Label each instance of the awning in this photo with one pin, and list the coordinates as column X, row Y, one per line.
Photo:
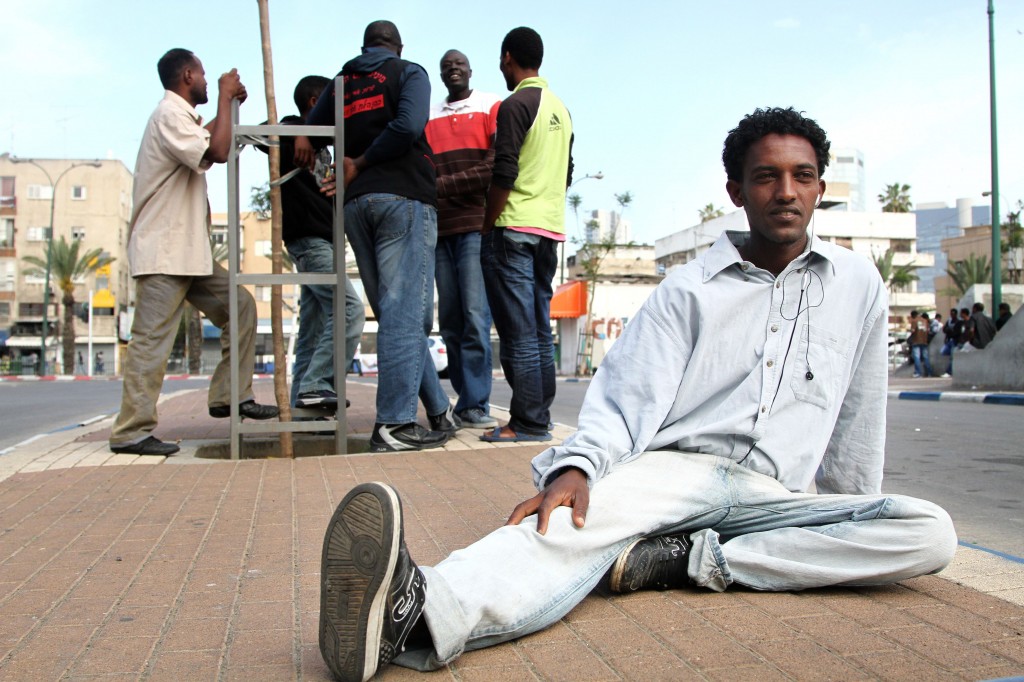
column 29, row 342
column 103, row 299
column 570, row 300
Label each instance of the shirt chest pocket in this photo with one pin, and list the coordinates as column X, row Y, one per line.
column 820, row 366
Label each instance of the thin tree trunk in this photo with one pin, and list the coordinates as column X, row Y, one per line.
column 194, row 340
column 68, row 334
column 280, row 361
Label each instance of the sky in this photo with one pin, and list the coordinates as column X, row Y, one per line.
column 653, row 86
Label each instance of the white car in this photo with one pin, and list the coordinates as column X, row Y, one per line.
column 439, row 354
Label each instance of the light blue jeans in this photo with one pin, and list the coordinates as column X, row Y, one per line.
column 314, row 345
column 393, row 239
column 745, row 528
column 464, row 319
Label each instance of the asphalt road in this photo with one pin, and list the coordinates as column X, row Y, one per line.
column 967, row 457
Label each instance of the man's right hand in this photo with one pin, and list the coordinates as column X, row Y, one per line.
column 304, row 152
column 568, row 490
column 230, row 86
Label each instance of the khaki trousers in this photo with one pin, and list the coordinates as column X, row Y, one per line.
column 159, row 302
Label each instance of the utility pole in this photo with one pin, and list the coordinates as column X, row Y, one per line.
column 997, row 240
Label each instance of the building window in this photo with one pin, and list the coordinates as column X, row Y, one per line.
column 5, row 309
column 263, row 293
column 7, row 191
column 78, row 192
column 219, row 236
column 40, row 192
column 845, row 242
column 6, row 233
column 36, row 234
column 78, row 233
column 30, row 309
column 263, row 247
column 901, row 245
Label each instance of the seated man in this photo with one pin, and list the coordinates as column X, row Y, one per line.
column 749, row 374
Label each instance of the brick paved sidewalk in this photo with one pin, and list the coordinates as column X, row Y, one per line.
column 212, row 572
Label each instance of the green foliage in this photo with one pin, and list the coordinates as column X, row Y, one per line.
column 709, row 212
column 968, row 272
column 896, row 278
column 895, row 198
column 259, row 200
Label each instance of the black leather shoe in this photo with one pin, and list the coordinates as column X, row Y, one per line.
column 149, row 446
column 250, row 409
column 658, row 563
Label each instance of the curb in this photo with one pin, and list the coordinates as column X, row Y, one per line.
column 960, row 397
column 111, row 377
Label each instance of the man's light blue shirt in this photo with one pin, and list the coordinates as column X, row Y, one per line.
column 717, row 360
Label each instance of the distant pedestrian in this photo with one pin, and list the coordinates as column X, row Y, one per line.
column 98, row 362
column 918, row 341
column 79, row 364
column 1004, row 315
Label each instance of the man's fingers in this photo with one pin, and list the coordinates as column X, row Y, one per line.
column 580, row 506
column 522, row 510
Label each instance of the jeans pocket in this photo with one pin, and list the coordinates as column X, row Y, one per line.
column 392, row 216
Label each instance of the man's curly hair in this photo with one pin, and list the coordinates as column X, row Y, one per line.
column 763, row 122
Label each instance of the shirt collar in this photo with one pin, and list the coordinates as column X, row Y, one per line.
column 531, row 82
column 179, row 102
column 460, row 104
column 725, row 252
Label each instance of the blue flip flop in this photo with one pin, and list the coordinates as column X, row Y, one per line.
column 496, row 437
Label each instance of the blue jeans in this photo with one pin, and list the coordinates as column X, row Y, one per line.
column 393, row 239
column 920, row 354
column 518, row 277
column 465, row 319
column 314, row 345
column 746, row 528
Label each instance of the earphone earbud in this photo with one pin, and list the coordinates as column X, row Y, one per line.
column 818, row 202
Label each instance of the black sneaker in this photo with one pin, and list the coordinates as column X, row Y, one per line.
column 371, row 592
column 250, row 409
column 447, row 421
column 150, row 446
column 657, row 563
column 325, row 398
column 411, row 436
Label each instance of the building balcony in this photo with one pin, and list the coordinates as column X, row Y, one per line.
column 919, row 259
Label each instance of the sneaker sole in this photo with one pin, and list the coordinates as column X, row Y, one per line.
column 360, row 552
column 376, row 446
column 615, row 583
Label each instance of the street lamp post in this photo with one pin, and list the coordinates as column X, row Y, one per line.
column 49, row 249
column 997, row 257
column 561, row 260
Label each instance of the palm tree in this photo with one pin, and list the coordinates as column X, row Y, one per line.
column 709, row 212
column 67, row 267
column 1013, row 246
column 895, row 198
column 896, row 278
column 968, row 272
column 575, row 201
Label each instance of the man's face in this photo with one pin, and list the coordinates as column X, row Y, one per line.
column 505, row 66
column 197, row 85
column 455, row 71
column 779, row 188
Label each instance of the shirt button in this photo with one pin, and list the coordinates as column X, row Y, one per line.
column 763, row 409
column 775, row 327
column 771, row 362
column 778, row 284
column 744, row 267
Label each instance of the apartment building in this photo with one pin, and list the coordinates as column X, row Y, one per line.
column 86, row 199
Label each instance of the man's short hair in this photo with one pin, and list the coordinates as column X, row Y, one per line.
column 978, row 307
column 764, row 122
column 913, row 313
column 1004, row 307
column 382, row 33
column 965, row 311
column 172, row 64
column 525, row 46
column 310, row 86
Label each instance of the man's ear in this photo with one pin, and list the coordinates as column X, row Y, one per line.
column 735, row 191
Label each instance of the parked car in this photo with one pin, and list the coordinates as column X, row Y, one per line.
column 439, row 354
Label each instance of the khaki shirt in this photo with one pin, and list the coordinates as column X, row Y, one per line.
column 170, row 225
